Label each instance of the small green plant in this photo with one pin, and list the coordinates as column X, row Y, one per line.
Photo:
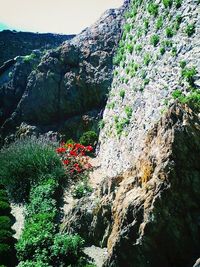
column 120, row 125
column 146, row 81
column 139, row 32
column 81, row 189
column 159, row 23
column 127, row 28
column 153, row 9
column 178, row 22
column 174, row 51
column 101, row 124
column 178, row 3
column 146, row 24
column 128, row 111
column 167, row 43
column 154, row 40
column 138, row 48
column 89, row 138
column 167, row 3
column 111, row 105
column 162, row 50
column 130, row 48
column 190, row 29
column 147, row 59
column 188, row 74
column 122, row 93
column 169, row 32
column 29, row 58
column 182, row 64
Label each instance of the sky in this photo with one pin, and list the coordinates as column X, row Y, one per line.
column 56, row 16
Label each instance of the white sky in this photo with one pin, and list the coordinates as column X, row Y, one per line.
column 57, row 16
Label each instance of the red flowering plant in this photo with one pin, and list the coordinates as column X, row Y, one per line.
column 75, row 158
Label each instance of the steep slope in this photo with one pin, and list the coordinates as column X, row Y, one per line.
column 14, row 43
column 68, row 82
column 146, row 209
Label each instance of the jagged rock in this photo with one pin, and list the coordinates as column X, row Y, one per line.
column 69, row 81
column 14, row 43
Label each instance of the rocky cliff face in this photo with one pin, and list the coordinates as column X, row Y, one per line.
column 13, row 44
column 69, row 82
column 145, row 208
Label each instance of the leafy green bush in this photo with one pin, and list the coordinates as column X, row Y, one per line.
column 183, row 64
column 101, row 123
column 147, row 59
column 4, row 208
column 67, row 248
column 162, row 50
column 81, row 189
column 190, row 29
column 122, row 93
column 169, row 32
column 24, row 163
column 178, row 3
column 153, row 9
column 188, row 74
column 154, row 40
column 89, row 138
column 167, row 3
column 159, row 23
column 128, row 111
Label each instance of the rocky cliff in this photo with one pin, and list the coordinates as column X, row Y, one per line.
column 14, row 43
column 145, row 209
column 145, row 204
column 64, row 88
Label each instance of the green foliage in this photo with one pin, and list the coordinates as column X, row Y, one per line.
column 192, row 99
column 174, row 51
column 29, row 58
column 146, row 81
column 122, row 93
column 128, row 111
column 183, row 64
column 167, row 3
column 23, row 164
column 146, row 24
column 81, row 189
column 7, row 252
column 120, row 125
column 188, row 74
column 190, row 29
column 89, row 138
column 162, row 50
column 169, row 32
column 138, row 48
column 67, row 248
column 129, row 48
column 101, row 124
column 127, row 27
column 159, row 23
column 153, row 9
column 147, row 59
column 178, row 3
column 154, row 40
column 178, row 22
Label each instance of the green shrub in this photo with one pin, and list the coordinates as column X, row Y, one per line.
column 162, row 50
column 23, row 164
column 188, row 74
column 147, row 59
column 127, row 27
column 174, row 51
column 138, row 48
column 146, row 24
column 178, row 22
column 190, row 29
column 122, row 93
column 146, row 81
column 67, row 248
column 120, row 125
column 101, row 123
column 178, row 3
column 154, row 40
column 81, row 189
column 128, row 111
column 159, row 23
column 153, row 9
column 167, row 3
column 29, row 58
column 4, row 208
column 89, row 138
column 183, row 64
column 130, row 48
column 169, row 32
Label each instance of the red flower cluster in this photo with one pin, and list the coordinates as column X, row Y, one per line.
column 74, row 157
